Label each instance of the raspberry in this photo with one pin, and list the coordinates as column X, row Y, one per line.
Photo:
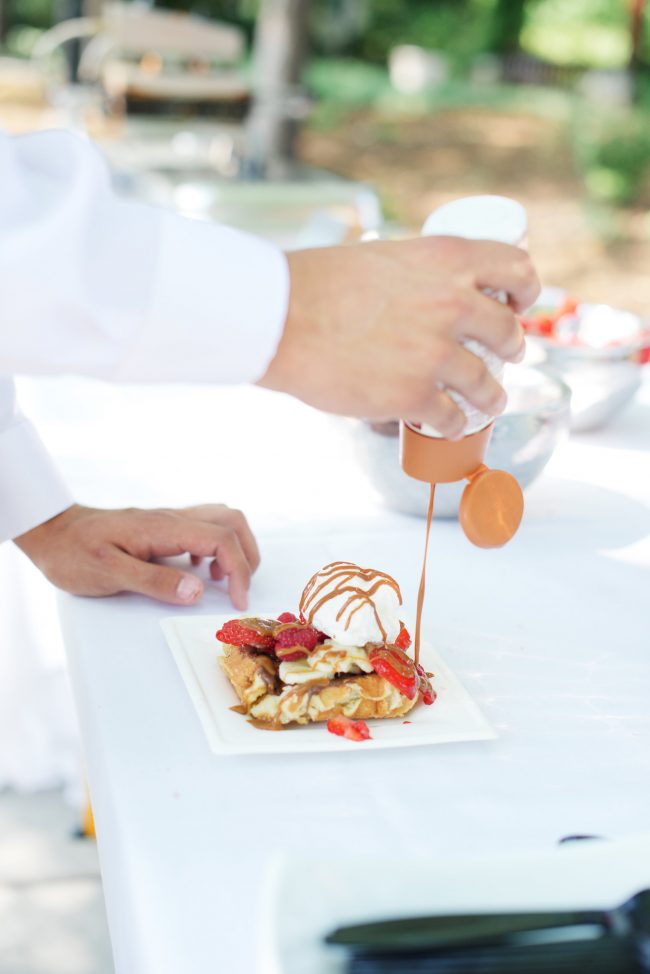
column 428, row 696
column 291, row 654
column 305, row 636
column 287, row 617
column 427, row 693
column 353, row 730
column 236, row 633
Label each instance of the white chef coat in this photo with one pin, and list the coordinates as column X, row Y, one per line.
column 95, row 285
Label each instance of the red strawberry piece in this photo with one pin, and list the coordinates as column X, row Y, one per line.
column 353, row 730
column 287, row 617
column 396, row 667
column 427, row 692
column 644, row 355
column 237, row 633
column 305, row 636
column 403, row 641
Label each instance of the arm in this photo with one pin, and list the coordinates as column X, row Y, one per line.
column 95, row 552
column 96, row 285
column 100, row 286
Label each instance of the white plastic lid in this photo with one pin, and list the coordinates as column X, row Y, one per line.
column 479, row 218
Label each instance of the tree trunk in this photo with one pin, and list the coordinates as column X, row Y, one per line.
column 507, row 23
column 66, row 10
column 4, row 20
column 637, row 8
column 278, row 57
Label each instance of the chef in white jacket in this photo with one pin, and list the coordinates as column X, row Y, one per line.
column 95, row 285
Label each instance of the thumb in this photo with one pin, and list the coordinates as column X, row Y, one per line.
column 158, row 581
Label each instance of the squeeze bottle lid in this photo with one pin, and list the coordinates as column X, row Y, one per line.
column 496, row 218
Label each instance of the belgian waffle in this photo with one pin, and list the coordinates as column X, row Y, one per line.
column 361, row 696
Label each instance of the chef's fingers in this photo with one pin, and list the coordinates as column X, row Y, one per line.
column 177, row 533
column 499, row 267
column 232, row 518
column 494, row 325
column 215, row 541
column 439, row 411
column 216, row 571
column 459, row 369
column 130, row 574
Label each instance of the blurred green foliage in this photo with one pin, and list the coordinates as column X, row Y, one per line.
column 30, row 13
column 613, row 151
column 352, row 38
column 458, row 27
column 585, row 32
column 591, row 33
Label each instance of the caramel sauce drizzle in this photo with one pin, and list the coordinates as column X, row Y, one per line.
column 339, row 574
column 418, row 616
column 269, row 627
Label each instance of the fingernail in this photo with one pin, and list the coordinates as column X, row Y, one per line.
column 188, row 589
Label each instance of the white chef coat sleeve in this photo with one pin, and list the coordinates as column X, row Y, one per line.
column 31, row 488
column 97, row 285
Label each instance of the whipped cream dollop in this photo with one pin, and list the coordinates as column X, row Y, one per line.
column 353, row 605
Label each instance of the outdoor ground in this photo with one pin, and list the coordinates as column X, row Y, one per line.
column 417, row 162
column 52, row 918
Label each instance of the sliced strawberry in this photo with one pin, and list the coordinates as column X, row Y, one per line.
column 237, row 633
column 353, row 730
column 396, row 667
column 643, row 357
column 403, row 641
column 287, row 617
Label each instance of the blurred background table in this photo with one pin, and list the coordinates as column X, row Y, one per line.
column 549, row 635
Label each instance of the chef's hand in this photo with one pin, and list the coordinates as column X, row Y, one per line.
column 97, row 552
column 374, row 330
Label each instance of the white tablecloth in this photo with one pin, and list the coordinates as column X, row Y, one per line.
column 551, row 635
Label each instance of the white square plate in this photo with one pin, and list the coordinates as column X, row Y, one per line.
column 453, row 717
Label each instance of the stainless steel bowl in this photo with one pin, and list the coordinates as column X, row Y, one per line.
column 523, row 440
column 603, row 368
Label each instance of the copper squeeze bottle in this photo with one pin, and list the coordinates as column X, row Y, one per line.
column 492, row 504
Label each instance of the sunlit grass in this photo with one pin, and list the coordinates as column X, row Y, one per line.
column 592, row 45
